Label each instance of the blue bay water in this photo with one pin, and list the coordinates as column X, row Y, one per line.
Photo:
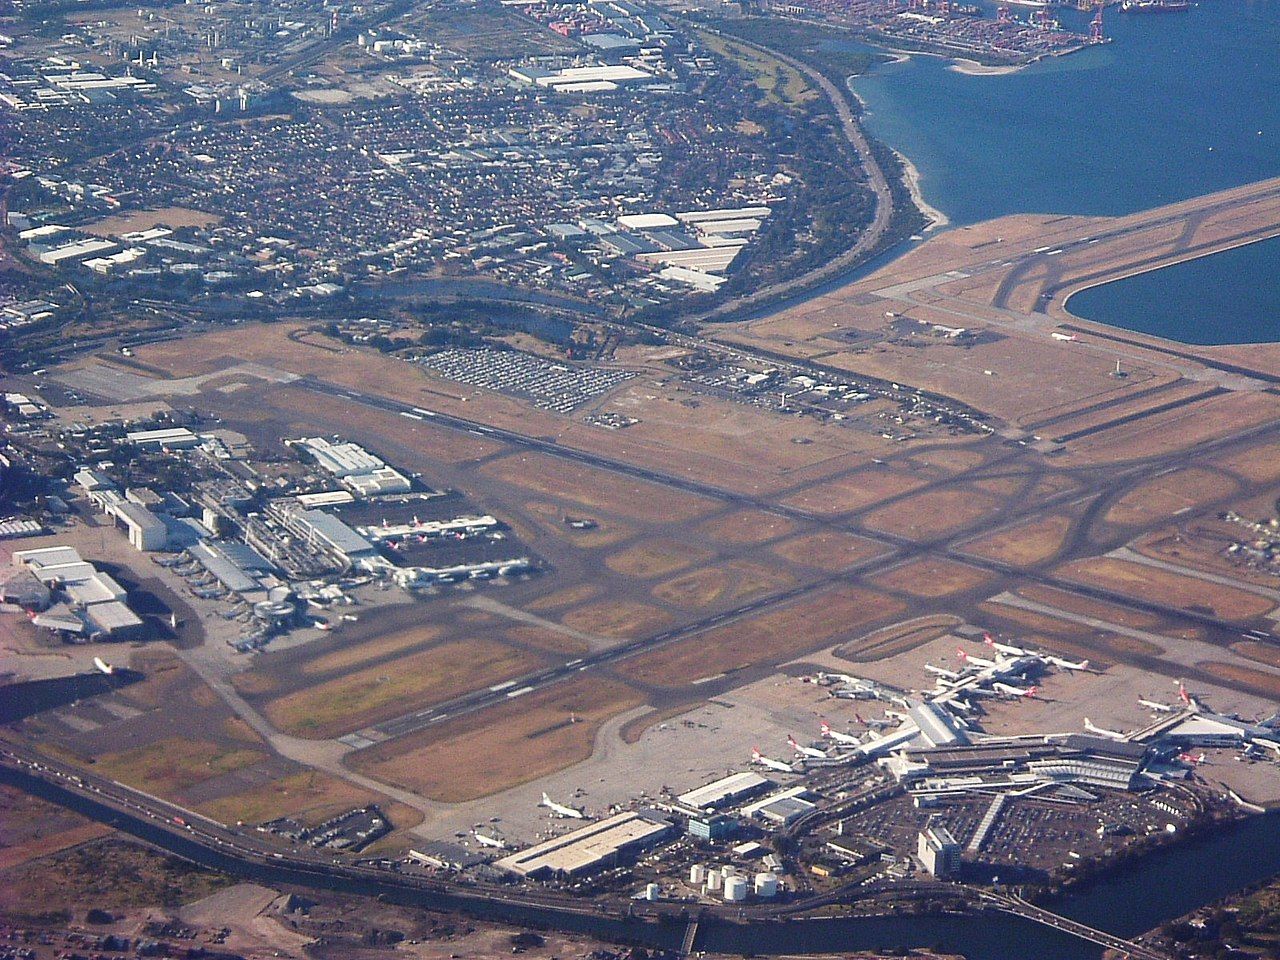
column 1178, row 105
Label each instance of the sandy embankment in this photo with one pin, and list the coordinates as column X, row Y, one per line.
column 911, row 175
column 973, row 68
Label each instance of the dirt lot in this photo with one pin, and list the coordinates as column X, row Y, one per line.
column 935, row 513
column 395, row 687
column 1026, row 543
column 595, row 489
column 653, row 558
column 774, row 636
column 933, row 578
column 1162, row 586
column 1170, row 495
column 167, row 767
column 852, row 491
column 513, row 743
column 828, row 550
column 731, row 583
column 617, row 618
column 745, row 527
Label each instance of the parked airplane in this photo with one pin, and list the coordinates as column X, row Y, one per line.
column 758, row 757
column 837, row 736
column 496, row 842
column 1012, row 691
column 972, row 661
column 1066, row 664
column 806, row 751
column 1157, row 706
column 1187, row 698
column 1103, row 731
column 1011, row 650
column 562, row 810
column 103, row 666
column 942, row 672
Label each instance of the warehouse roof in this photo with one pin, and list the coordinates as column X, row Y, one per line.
column 588, row 847
column 725, row 790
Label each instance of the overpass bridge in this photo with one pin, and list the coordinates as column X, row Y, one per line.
column 1021, row 908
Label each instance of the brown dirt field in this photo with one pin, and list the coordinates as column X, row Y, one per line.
column 932, row 578
column 389, row 689
column 999, row 486
column 898, row 639
column 551, row 518
column 745, row 527
column 1087, row 607
column 1268, row 684
column 354, row 656
column 953, row 460
column 774, row 636
column 164, row 675
column 1127, row 408
column 1263, row 653
column 1169, row 495
column 136, row 220
column 1260, row 464
column 1176, row 430
column 1171, row 588
column 653, row 557
column 730, row 583
column 512, row 743
column 567, row 597
column 310, row 796
column 48, row 844
column 616, row 618
column 934, row 513
column 166, row 767
column 596, row 489
column 829, row 550
column 853, row 491
column 548, row 640
column 1025, row 544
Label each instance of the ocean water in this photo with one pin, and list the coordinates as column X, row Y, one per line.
column 1178, row 105
column 1229, row 297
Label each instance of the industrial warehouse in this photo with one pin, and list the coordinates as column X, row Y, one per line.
column 266, row 552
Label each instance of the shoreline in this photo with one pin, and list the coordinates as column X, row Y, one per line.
column 965, row 65
column 911, row 178
column 972, row 68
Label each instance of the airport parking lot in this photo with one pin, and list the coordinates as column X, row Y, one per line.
column 549, row 385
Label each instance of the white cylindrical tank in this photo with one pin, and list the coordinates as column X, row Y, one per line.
column 766, row 885
column 652, row 891
column 713, row 880
column 735, row 889
column 727, row 871
column 697, row 873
